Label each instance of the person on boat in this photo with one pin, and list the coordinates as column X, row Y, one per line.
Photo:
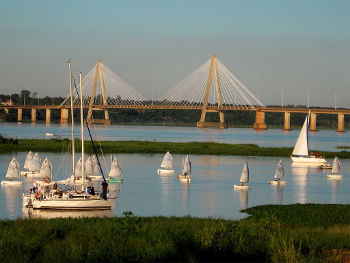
column 92, row 191
column 104, row 189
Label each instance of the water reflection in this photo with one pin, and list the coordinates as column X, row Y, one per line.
column 37, row 213
column 185, row 198
column 13, row 199
column 165, row 187
column 335, row 187
column 300, row 180
column 278, row 193
column 243, row 198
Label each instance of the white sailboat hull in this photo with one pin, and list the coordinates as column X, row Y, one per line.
column 165, row 172
column 11, row 183
column 239, row 187
column 312, row 160
column 70, row 204
column 276, row 182
column 185, row 178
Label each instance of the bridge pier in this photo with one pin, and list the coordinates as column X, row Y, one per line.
column 259, row 121
column 340, row 122
column 204, row 124
column 48, row 116
column 33, row 115
column 64, row 116
column 19, row 114
column 286, row 126
column 313, row 117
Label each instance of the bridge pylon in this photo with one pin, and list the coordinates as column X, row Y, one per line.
column 98, row 75
column 202, row 123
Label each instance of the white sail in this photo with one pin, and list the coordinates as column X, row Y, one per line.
column 167, row 162
column 186, row 166
column 78, row 168
column 116, row 171
column 35, row 163
column 14, row 169
column 28, row 160
column 46, row 168
column 96, row 166
column 336, row 166
column 89, row 166
column 301, row 147
column 245, row 174
column 279, row 174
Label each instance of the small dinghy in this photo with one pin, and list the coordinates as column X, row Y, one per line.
column 186, row 176
column 244, row 180
column 166, row 168
column 31, row 164
column 279, row 175
column 13, row 172
column 335, row 170
column 115, row 174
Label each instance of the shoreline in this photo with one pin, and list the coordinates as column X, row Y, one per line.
column 9, row 145
column 271, row 233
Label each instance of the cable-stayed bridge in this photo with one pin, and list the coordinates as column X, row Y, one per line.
column 209, row 88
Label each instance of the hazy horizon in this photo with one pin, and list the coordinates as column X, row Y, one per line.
column 272, row 46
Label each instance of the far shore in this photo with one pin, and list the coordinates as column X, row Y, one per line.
column 8, row 145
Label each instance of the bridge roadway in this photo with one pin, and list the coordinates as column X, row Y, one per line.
column 259, row 121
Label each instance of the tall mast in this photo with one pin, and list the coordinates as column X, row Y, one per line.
column 72, row 117
column 82, row 134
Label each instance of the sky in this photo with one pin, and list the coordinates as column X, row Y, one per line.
column 292, row 47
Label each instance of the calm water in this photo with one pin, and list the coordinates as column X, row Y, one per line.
column 322, row 140
column 209, row 194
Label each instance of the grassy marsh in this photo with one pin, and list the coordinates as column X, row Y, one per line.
column 272, row 233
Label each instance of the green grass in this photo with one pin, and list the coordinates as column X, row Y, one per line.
column 208, row 148
column 293, row 233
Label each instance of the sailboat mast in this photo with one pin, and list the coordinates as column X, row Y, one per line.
column 82, row 133
column 72, row 116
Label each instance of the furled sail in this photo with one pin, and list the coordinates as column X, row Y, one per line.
column 89, row 166
column 245, row 174
column 14, row 169
column 167, row 162
column 301, row 147
column 279, row 174
column 27, row 162
column 35, row 163
column 336, row 166
column 186, row 166
column 46, row 168
column 116, row 171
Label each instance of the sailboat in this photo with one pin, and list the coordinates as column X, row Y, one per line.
column 46, row 173
column 13, row 172
column 335, row 170
column 279, row 175
column 32, row 164
column 92, row 169
column 301, row 154
column 166, row 168
column 244, row 180
column 115, row 174
column 185, row 176
column 76, row 199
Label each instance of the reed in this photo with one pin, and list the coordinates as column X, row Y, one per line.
column 294, row 233
column 207, row 148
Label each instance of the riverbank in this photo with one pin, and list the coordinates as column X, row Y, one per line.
column 272, row 233
column 200, row 148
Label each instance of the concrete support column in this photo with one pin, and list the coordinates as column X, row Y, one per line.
column 259, row 121
column 340, row 122
column 313, row 117
column 48, row 115
column 64, row 116
column 33, row 117
column 19, row 114
column 6, row 110
column 286, row 126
